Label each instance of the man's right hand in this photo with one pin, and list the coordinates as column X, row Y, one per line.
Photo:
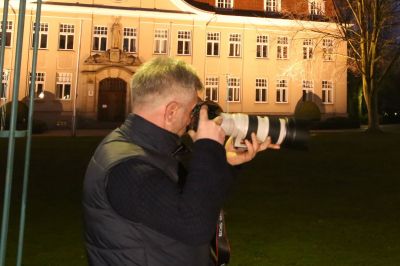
column 208, row 129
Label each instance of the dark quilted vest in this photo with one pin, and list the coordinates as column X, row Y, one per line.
column 113, row 240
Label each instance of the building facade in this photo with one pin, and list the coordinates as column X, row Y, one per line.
column 259, row 56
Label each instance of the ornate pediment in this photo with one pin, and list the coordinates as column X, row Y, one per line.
column 113, row 57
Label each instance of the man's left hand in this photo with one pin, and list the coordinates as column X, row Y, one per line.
column 236, row 156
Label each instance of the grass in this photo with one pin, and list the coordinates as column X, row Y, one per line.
column 335, row 204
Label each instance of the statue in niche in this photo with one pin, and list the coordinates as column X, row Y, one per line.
column 116, row 34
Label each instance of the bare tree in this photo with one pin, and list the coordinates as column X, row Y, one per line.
column 370, row 28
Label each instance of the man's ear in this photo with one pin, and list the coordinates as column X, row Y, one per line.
column 170, row 112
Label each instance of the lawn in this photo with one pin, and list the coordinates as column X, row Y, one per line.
column 335, row 204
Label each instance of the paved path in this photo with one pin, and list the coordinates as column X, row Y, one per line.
column 103, row 132
column 79, row 132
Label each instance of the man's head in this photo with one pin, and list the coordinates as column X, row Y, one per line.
column 164, row 91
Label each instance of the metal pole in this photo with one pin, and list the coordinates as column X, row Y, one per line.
column 2, row 52
column 11, row 139
column 76, row 83
column 29, row 135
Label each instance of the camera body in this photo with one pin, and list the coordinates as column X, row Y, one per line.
column 282, row 130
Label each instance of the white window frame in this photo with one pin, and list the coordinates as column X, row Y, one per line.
column 327, row 92
column 5, row 80
column 9, row 32
column 129, row 41
column 213, row 43
column 68, row 32
column 308, row 49
column 184, row 43
column 282, row 90
column 233, row 94
column 327, row 49
column 262, row 50
column 100, row 36
column 235, row 45
column 211, row 88
column 160, row 41
column 40, row 84
column 282, row 48
column 64, row 84
column 261, row 90
column 43, row 35
column 224, row 4
column 316, row 7
column 307, row 90
column 272, row 5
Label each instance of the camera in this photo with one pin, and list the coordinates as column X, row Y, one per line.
column 285, row 131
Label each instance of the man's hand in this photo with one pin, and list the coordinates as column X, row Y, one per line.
column 237, row 156
column 208, row 129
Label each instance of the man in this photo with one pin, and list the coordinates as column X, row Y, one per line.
column 141, row 206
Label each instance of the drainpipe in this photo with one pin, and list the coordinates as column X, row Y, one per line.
column 73, row 126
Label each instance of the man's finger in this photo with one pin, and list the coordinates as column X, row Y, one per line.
column 203, row 113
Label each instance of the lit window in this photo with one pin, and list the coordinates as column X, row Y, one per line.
column 308, row 90
column 327, row 91
column 262, row 46
column 213, row 43
column 5, row 83
column 316, row 7
column 100, row 38
column 39, row 84
column 211, row 89
column 283, row 48
column 233, row 90
column 272, row 5
column 261, row 90
column 327, row 48
column 184, row 42
column 282, row 91
column 129, row 42
column 235, row 45
column 43, row 34
column 160, row 41
column 63, row 83
column 224, row 3
column 308, row 49
column 66, row 41
column 9, row 30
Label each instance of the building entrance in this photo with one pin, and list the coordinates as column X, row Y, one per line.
column 112, row 100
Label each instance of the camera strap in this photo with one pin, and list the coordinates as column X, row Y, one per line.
column 220, row 248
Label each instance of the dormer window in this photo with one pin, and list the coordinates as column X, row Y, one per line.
column 272, row 5
column 224, row 4
column 316, row 7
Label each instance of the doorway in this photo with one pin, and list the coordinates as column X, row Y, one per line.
column 112, row 100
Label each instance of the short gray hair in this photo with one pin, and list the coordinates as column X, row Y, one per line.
column 160, row 76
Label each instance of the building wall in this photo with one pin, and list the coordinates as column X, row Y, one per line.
column 86, row 77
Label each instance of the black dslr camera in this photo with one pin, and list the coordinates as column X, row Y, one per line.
column 283, row 130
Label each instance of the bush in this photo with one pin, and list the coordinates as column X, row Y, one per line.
column 38, row 126
column 22, row 115
column 337, row 122
column 307, row 111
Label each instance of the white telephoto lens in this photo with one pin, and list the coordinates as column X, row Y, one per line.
column 282, row 132
column 263, row 128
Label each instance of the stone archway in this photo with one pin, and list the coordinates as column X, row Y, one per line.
column 111, row 104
